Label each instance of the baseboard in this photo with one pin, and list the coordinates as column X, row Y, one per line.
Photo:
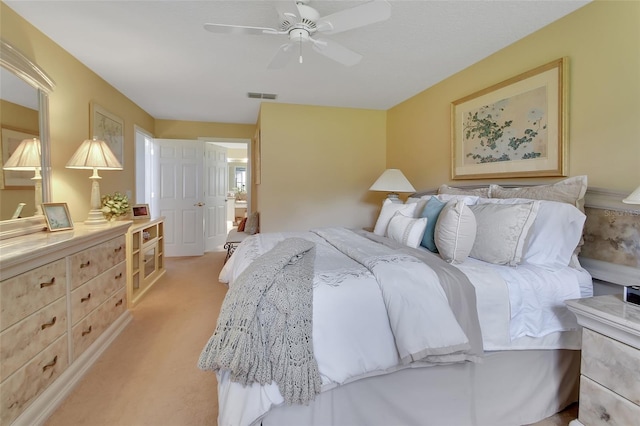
column 49, row 400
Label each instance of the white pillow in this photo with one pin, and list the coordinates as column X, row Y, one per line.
column 502, row 231
column 455, row 231
column 390, row 208
column 468, row 199
column 555, row 234
column 406, row 230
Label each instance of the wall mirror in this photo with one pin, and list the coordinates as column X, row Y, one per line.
column 24, row 92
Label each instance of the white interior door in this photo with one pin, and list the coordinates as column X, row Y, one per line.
column 181, row 195
column 215, row 188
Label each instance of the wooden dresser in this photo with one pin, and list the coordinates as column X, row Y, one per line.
column 62, row 302
column 610, row 368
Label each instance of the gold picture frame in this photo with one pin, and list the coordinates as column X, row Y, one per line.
column 516, row 128
column 14, row 179
column 57, row 215
column 108, row 127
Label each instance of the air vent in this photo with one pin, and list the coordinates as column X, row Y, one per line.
column 256, row 95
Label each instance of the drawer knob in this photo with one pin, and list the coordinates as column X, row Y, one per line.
column 51, row 364
column 118, row 276
column 48, row 284
column 48, row 324
column 87, row 331
column 84, row 265
column 84, row 299
column 117, row 250
column 119, row 302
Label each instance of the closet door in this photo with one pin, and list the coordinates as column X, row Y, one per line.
column 181, row 195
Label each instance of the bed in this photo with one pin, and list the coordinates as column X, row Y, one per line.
column 458, row 323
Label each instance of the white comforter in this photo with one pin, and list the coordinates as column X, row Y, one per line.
column 357, row 331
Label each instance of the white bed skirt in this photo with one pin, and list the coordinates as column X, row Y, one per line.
column 508, row 388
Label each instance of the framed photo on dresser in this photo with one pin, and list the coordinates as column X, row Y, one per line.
column 57, row 216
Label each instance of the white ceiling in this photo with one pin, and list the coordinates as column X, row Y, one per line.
column 158, row 54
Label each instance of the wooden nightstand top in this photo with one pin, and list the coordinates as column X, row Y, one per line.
column 609, row 315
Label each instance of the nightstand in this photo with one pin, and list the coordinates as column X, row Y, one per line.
column 610, row 368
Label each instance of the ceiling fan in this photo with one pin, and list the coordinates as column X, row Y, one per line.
column 301, row 24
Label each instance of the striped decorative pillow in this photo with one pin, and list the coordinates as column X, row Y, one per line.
column 406, row 230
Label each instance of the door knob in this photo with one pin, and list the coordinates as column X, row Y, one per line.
column 199, row 204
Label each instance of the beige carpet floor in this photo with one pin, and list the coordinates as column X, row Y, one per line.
column 148, row 376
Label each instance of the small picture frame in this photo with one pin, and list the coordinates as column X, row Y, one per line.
column 140, row 211
column 57, row 215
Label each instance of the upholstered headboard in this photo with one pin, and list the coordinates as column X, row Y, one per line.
column 611, row 250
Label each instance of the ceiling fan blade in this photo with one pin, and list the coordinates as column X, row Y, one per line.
column 358, row 16
column 288, row 11
column 337, row 52
column 239, row 29
column 282, row 57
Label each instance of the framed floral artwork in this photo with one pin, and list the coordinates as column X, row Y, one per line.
column 108, row 127
column 516, row 128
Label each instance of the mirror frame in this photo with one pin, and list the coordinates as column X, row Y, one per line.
column 13, row 60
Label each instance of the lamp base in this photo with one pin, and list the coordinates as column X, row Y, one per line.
column 96, row 218
column 393, row 197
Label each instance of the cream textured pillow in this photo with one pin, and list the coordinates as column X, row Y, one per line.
column 455, row 232
column 502, row 231
column 406, row 230
column 390, row 208
column 252, row 225
column 570, row 190
column 480, row 192
column 554, row 235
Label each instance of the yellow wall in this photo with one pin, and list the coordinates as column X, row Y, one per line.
column 317, row 165
column 602, row 41
column 177, row 129
column 76, row 87
column 318, row 162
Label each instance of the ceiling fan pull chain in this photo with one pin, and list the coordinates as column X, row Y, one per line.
column 300, row 47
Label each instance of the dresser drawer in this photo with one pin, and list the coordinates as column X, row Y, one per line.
column 94, row 324
column 93, row 293
column 600, row 406
column 92, row 262
column 19, row 390
column 612, row 364
column 22, row 341
column 24, row 294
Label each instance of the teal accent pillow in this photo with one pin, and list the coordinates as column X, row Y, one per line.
column 431, row 211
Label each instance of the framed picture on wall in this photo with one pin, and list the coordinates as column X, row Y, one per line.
column 516, row 128
column 108, row 127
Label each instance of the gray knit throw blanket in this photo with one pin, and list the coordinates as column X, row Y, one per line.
column 264, row 329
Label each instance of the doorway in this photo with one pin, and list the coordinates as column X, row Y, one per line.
column 214, row 199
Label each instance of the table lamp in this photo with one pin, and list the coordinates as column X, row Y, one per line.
column 94, row 154
column 392, row 181
column 27, row 157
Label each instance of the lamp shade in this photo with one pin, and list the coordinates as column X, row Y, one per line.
column 94, row 154
column 392, row 180
column 633, row 198
column 25, row 157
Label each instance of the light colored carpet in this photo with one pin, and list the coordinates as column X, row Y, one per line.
column 148, row 376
